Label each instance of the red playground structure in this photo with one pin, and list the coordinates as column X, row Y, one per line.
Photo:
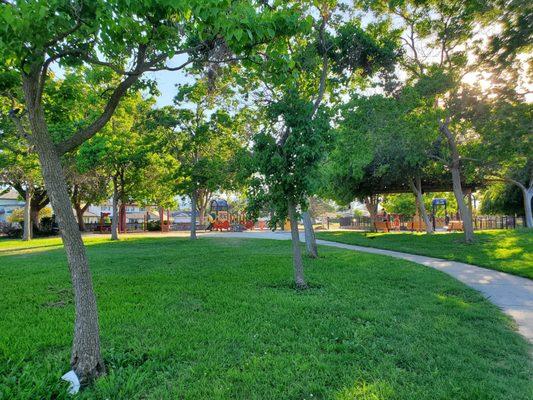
column 221, row 219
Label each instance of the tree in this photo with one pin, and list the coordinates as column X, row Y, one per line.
column 86, row 187
column 448, row 31
column 503, row 122
column 19, row 169
column 290, row 146
column 142, row 35
column 389, row 137
column 124, row 152
column 285, row 170
column 206, row 139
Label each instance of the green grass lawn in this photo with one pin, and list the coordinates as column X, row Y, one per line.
column 219, row 319
column 503, row 250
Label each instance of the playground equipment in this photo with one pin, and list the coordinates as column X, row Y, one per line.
column 220, row 218
column 435, row 203
column 104, row 225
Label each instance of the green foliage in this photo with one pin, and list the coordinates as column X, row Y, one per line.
column 266, row 341
column 130, row 154
column 358, row 52
column 286, row 172
column 502, row 199
column 206, row 139
column 18, row 214
column 403, row 204
column 381, row 143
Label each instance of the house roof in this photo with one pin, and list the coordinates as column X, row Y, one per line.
column 10, row 195
column 141, row 215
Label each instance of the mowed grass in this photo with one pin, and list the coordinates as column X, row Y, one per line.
column 502, row 250
column 219, row 319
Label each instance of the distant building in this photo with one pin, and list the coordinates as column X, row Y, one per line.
column 8, row 202
column 134, row 213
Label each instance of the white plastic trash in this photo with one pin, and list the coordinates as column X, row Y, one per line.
column 72, row 378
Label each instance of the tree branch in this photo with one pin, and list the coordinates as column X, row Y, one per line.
column 59, row 37
column 86, row 133
column 324, row 73
column 18, row 123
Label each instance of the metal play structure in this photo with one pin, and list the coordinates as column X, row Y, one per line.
column 221, row 218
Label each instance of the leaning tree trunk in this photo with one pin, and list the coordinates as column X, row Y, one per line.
column 417, row 190
column 466, row 215
column 455, row 168
column 310, row 239
column 193, row 217
column 26, row 235
column 86, row 359
column 114, row 221
column 299, row 278
column 79, row 215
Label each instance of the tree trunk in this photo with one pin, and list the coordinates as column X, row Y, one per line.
column 114, row 221
column 297, row 261
column 416, row 187
column 86, row 359
column 193, row 217
column 310, row 239
column 464, row 211
column 201, row 213
column 34, row 216
column 528, row 196
column 79, row 215
column 371, row 204
column 455, row 168
column 27, row 234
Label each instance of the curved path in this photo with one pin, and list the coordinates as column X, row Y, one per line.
column 512, row 294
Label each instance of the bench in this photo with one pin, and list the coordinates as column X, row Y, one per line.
column 416, row 225
column 382, row 226
column 455, row 226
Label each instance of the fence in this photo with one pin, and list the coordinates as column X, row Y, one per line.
column 355, row 223
column 498, row 222
column 481, row 222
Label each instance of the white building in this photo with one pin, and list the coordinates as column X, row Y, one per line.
column 8, row 202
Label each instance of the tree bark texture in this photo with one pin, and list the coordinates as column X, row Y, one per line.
column 79, row 216
column 455, row 168
column 310, row 239
column 371, row 204
column 86, row 359
column 528, row 196
column 416, row 187
column 114, row 221
column 27, row 233
column 297, row 261
column 39, row 200
column 193, row 217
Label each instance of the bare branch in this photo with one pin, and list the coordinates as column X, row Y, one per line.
column 165, row 68
column 95, row 61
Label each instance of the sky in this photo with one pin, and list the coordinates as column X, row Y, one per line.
column 167, row 81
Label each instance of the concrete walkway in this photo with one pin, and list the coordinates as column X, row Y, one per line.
column 512, row 294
